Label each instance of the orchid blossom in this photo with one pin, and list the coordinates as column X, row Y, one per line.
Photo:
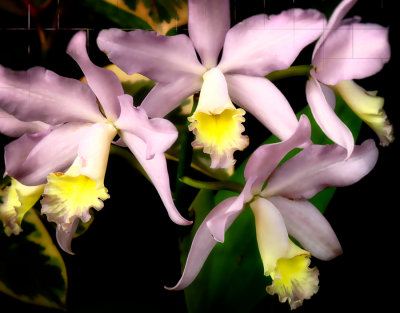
column 16, row 200
column 282, row 209
column 75, row 124
column 251, row 49
column 348, row 50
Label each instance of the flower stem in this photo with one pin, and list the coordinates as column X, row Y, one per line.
column 213, row 185
column 185, row 155
column 297, row 70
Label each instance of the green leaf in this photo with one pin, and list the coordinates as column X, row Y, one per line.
column 230, row 268
column 83, row 227
column 116, row 14
column 31, row 267
column 158, row 15
column 232, row 278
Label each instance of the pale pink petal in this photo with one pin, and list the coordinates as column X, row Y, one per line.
column 165, row 97
column 158, row 134
column 263, row 100
column 209, row 20
column 267, row 157
column 202, row 245
column 64, row 235
column 160, row 58
column 318, row 167
column 326, row 117
column 353, row 51
column 334, row 21
column 262, row 44
column 104, row 83
column 329, row 94
column 156, row 169
column 219, row 223
column 30, row 158
column 309, row 227
column 13, row 127
column 42, row 95
column 16, row 152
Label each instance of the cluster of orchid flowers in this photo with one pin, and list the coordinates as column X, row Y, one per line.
column 64, row 128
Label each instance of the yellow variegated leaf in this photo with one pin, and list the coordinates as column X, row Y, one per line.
column 31, row 267
column 158, row 15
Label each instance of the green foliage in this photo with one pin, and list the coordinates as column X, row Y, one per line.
column 31, row 268
column 159, row 10
column 117, row 15
column 158, row 15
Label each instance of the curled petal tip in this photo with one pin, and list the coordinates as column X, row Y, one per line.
column 171, row 288
column 76, row 40
column 64, row 236
column 180, row 220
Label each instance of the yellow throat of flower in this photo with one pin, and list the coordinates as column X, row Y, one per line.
column 220, row 135
column 67, row 197
column 216, row 123
column 17, row 200
column 369, row 107
column 293, row 280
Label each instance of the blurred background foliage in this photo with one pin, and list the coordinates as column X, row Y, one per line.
column 132, row 249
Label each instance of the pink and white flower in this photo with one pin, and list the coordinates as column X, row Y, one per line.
column 348, row 50
column 250, row 50
column 65, row 129
column 281, row 208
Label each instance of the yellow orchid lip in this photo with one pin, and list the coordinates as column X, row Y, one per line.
column 17, row 200
column 216, row 123
column 367, row 106
column 293, row 280
column 220, row 135
column 67, row 197
column 8, row 210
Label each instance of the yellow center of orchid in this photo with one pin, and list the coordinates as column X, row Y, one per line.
column 17, row 200
column 293, row 280
column 219, row 134
column 216, row 123
column 67, row 197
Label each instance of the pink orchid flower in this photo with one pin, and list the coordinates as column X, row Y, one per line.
column 251, row 49
column 282, row 209
column 348, row 50
column 65, row 129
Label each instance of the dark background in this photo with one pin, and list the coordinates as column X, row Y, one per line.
column 130, row 252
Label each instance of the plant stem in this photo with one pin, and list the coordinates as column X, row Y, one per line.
column 213, row 185
column 297, row 70
column 185, row 155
